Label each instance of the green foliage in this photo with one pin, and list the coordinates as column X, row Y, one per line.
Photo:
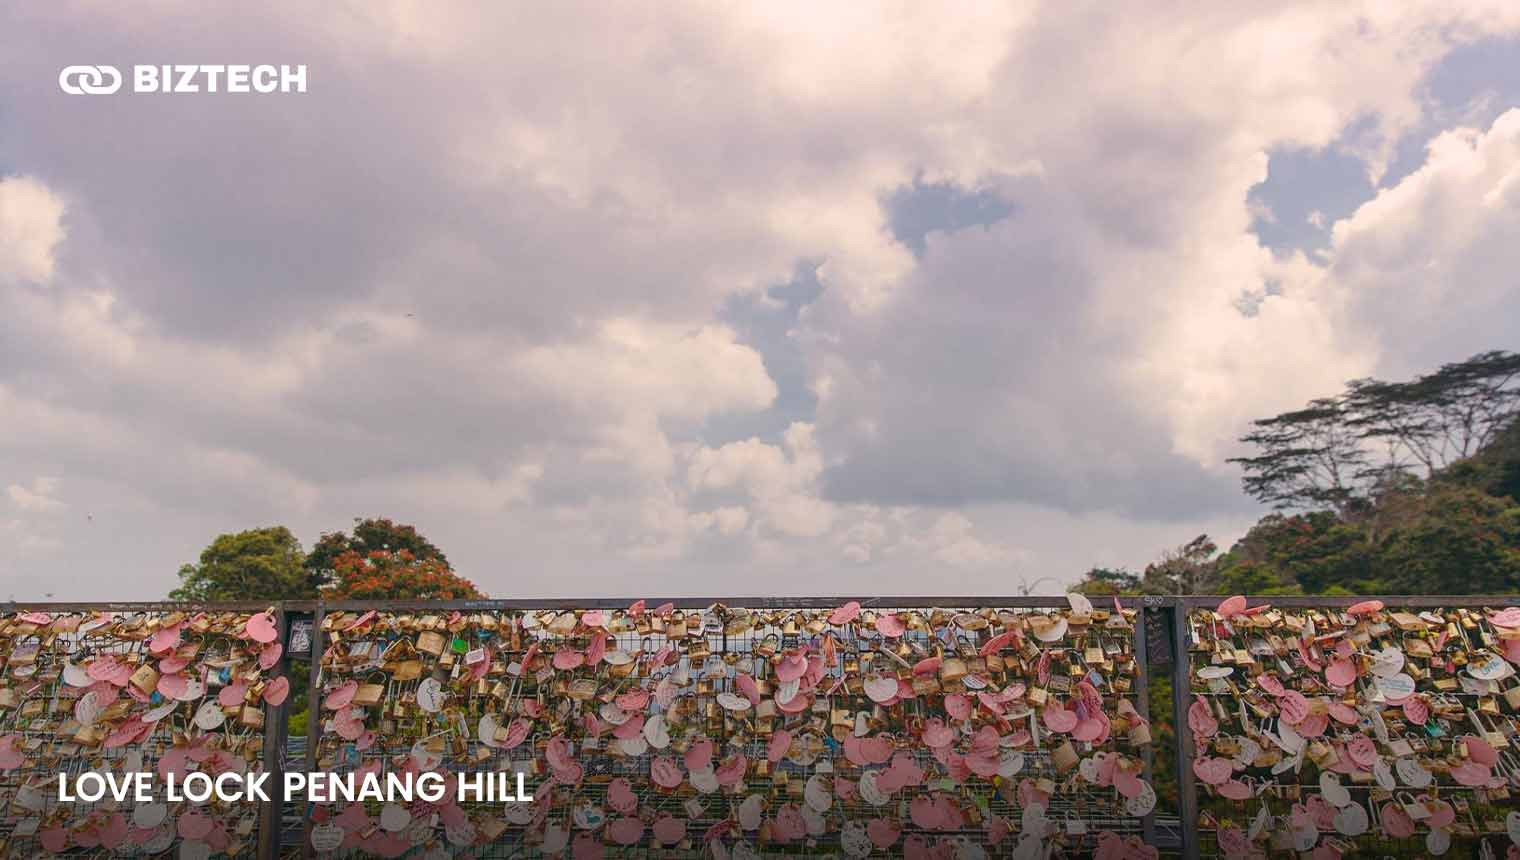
column 369, row 535
column 1102, row 580
column 1449, row 540
column 1495, row 470
column 1466, row 542
column 296, row 727
column 1253, row 578
column 259, row 564
column 1404, row 487
column 1163, row 742
column 381, row 560
column 1302, row 553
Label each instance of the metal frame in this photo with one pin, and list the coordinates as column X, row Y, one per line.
column 1182, row 685
column 1180, row 607
column 275, row 717
column 1310, row 601
column 313, row 715
column 1143, row 706
column 1171, row 611
column 276, row 725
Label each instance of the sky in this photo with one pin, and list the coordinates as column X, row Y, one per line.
column 724, row 299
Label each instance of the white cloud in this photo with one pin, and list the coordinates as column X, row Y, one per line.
column 39, row 498
column 31, row 226
column 950, row 540
column 1426, row 269
column 658, row 369
column 492, row 300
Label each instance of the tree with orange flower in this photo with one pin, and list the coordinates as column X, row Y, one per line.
column 397, row 575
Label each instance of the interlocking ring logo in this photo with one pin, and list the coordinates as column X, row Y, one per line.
column 89, row 80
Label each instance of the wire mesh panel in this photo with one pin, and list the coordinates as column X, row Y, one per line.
column 1368, row 728
column 118, row 691
column 743, row 731
column 769, row 727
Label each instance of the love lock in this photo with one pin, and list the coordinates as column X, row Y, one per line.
column 1351, row 819
column 149, row 815
column 394, row 817
column 1143, row 803
column 854, row 840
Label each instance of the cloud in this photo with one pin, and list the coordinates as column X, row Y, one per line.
column 805, row 297
column 31, row 226
column 39, row 498
column 1426, row 268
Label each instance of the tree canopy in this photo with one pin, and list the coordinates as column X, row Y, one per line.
column 381, row 560
column 258, row 564
column 1341, row 452
column 369, row 535
column 385, row 575
column 1393, row 488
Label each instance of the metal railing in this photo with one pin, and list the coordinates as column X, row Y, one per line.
column 1160, row 622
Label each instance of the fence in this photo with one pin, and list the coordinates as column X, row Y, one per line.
column 1381, row 725
column 768, row 727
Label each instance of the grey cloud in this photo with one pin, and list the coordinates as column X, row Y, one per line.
column 322, row 300
column 979, row 377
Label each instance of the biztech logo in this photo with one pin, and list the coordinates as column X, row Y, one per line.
column 105, row 80
column 89, row 80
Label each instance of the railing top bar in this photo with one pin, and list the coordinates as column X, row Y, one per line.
column 1033, row 602
column 916, row 602
column 1306, row 601
column 151, row 606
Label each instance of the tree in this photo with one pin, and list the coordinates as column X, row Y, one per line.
column 1339, row 452
column 259, row 564
column 1252, row 578
column 1437, row 419
column 1103, row 580
column 1494, row 470
column 1308, row 458
column 1188, row 569
column 1308, row 552
column 386, row 575
column 369, row 536
column 1466, row 542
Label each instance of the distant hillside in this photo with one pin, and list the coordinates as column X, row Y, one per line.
column 1393, row 488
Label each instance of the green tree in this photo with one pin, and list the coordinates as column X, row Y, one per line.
column 258, row 564
column 1253, row 578
column 1494, row 470
column 1307, row 552
column 1466, row 542
column 1104, row 580
column 1342, row 452
column 369, row 535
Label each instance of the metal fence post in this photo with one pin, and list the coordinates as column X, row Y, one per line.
column 1143, row 706
column 275, row 726
column 1187, row 787
column 313, row 715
